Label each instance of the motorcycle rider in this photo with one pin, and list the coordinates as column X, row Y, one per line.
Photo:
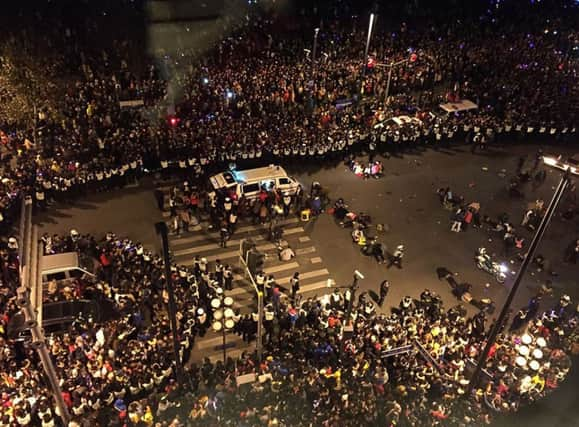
column 483, row 256
column 485, row 262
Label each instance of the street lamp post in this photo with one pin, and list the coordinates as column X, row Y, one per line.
column 522, row 270
column 224, row 318
column 370, row 28
column 314, row 50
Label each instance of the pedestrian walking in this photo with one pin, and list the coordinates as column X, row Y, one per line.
column 219, row 269
column 175, row 224
column 276, row 298
column 287, row 200
column 228, row 277
column 232, row 221
column 269, row 285
column 197, row 267
column 396, row 258
column 223, row 234
column 384, row 288
column 295, row 285
column 185, row 219
column 245, row 327
column 173, row 206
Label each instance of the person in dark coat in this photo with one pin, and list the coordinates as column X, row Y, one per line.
column 295, row 284
column 384, row 288
column 533, row 307
column 520, row 319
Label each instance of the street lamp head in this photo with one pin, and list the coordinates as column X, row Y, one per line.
column 550, row 161
column 571, row 165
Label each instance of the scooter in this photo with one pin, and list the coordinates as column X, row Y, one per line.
column 484, row 262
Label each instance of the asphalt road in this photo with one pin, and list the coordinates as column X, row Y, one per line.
column 405, row 199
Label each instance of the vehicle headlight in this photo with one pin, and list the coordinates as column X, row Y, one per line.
column 503, row 268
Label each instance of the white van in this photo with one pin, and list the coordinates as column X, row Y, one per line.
column 249, row 182
column 445, row 110
column 61, row 267
column 399, row 121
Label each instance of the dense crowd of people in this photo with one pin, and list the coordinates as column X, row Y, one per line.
column 257, row 95
column 64, row 134
column 407, row 367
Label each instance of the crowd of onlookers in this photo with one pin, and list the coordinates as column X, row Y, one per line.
column 63, row 134
column 257, row 95
column 120, row 371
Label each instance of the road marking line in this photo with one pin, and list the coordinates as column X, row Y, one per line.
column 281, row 267
column 304, row 276
column 316, row 260
column 313, row 287
column 304, row 239
column 293, row 230
column 305, row 251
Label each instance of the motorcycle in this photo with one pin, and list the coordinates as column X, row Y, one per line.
column 485, row 262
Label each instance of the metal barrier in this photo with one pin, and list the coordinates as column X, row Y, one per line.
column 427, row 356
column 396, row 351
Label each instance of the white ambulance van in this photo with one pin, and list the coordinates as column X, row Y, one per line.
column 248, row 183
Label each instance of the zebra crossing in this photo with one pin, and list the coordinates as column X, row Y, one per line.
column 203, row 242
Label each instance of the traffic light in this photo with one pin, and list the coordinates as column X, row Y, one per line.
column 246, row 246
column 255, row 261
